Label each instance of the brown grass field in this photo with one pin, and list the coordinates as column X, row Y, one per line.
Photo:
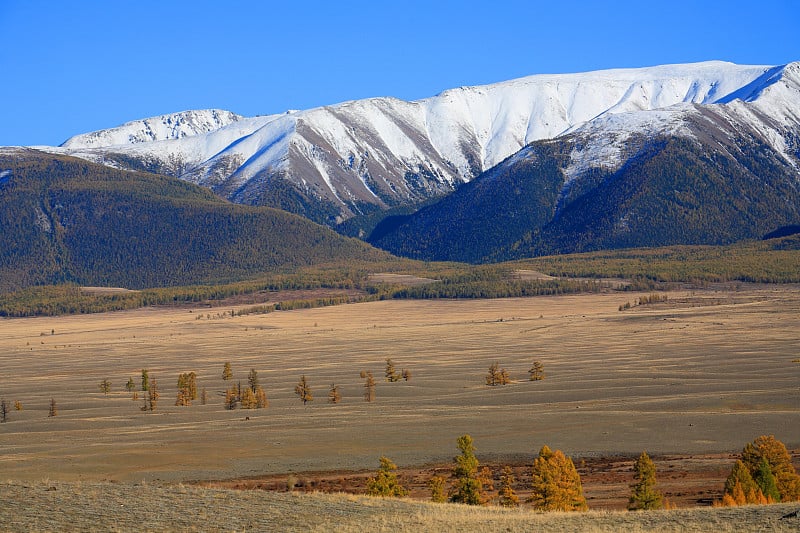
column 690, row 380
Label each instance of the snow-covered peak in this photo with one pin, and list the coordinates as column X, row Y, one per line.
column 164, row 127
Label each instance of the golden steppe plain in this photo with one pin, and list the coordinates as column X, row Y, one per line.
column 704, row 372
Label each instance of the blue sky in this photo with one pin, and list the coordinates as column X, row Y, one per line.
column 69, row 67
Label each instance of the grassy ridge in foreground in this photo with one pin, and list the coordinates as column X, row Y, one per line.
column 48, row 506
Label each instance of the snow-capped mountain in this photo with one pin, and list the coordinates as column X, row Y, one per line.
column 332, row 162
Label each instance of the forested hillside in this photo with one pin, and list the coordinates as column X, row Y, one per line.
column 68, row 220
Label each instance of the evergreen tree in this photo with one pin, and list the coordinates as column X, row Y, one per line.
column 643, row 491
column 303, row 390
column 508, row 498
column 391, row 374
column 227, row 373
column 130, row 385
column 468, row 487
column 3, row 410
column 145, row 380
column 385, row 483
column 556, row 485
column 766, row 481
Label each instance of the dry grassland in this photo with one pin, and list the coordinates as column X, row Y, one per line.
column 142, row 507
column 702, row 373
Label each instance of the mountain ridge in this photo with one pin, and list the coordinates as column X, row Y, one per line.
column 356, row 157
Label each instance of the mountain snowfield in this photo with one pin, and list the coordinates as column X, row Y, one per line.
column 359, row 156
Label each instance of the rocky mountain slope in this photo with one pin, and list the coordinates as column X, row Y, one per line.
column 685, row 174
column 333, row 162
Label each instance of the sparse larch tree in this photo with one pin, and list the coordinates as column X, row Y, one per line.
column 203, row 397
column 555, row 483
column 437, row 485
column 130, row 386
column 303, row 390
column 261, row 399
column 248, row 400
column 53, row 409
column 231, row 398
column 406, row 374
column 145, row 380
column 3, row 410
column 227, row 373
column 151, row 401
column 643, row 491
column 385, row 483
column 497, row 376
column 334, row 396
column 537, row 371
column 391, row 373
column 17, row 405
column 369, row 387
column 468, row 487
column 252, row 380
column 508, row 498
column 105, row 387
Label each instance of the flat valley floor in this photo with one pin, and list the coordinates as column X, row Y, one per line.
column 698, row 375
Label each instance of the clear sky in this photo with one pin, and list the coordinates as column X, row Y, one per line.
column 69, row 67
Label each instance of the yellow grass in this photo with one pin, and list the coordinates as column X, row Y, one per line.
column 701, row 373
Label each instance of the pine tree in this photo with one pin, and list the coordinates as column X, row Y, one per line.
column 334, row 396
column 369, row 387
column 508, row 498
column 643, row 491
column 468, row 487
column 537, row 371
column 227, row 373
column 145, row 380
column 766, row 482
column 303, row 390
column 53, row 409
column 385, row 483
column 556, row 485
column 391, row 374
column 105, row 387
